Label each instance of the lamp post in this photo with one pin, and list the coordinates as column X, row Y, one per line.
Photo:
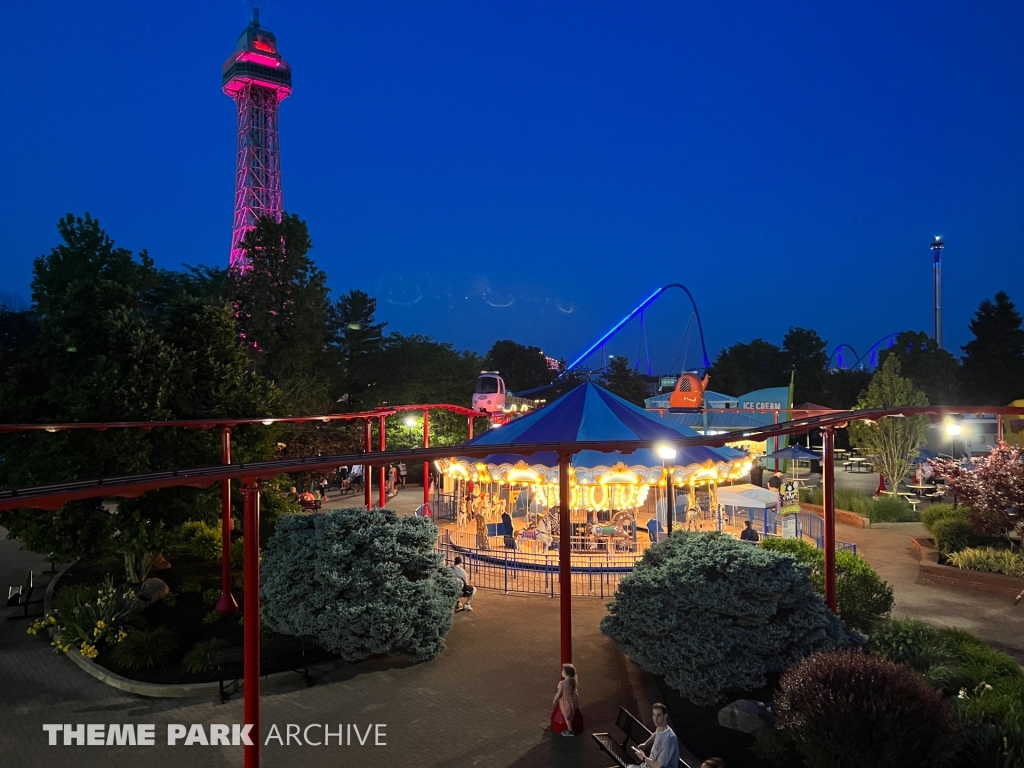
column 667, row 454
column 410, row 422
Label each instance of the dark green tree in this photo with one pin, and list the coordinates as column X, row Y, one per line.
column 622, row 379
column 993, row 361
column 116, row 344
column 844, row 387
column 362, row 340
column 19, row 328
column 744, row 368
column 932, row 370
column 805, row 352
column 285, row 313
column 521, row 367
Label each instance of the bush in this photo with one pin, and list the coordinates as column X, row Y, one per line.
column 989, row 560
column 992, row 718
column 901, row 641
column 89, row 616
column 360, row 582
column 848, row 709
column 197, row 660
column 70, row 599
column 190, row 585
column 713, row 614
column 145, row 649
column 938, row 512
column 202, row 540
column 952, row 534
column 892, row 509
column 862, row 598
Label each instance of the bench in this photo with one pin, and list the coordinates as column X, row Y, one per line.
column 634, row 733
column 289, row 654
column 22, row 596
column 307, row 504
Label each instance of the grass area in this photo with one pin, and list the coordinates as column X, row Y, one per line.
column 889, row 509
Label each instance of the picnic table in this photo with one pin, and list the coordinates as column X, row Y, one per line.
column 920, row 488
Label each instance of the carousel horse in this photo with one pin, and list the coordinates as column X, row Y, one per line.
column 693, row 519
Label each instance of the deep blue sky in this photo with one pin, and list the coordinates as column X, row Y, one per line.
column 788, row 162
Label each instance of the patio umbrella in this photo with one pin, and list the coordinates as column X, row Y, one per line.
column 794, row 452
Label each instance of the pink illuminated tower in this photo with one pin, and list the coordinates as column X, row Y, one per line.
column 258, row 79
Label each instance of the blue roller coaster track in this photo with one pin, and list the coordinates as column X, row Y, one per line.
column 868, row 360
column 639, row 311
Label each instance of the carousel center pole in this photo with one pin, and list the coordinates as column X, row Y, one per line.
column 226, row 605
column 251, row 614
column 565, row 556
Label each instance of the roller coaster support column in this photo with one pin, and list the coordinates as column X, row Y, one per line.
column 565, row 556
column 251, row 615
column 828, row 477
column 383, row 493
column 226, row 605
column 367, row 470
column 470, row 428
column 426, row 464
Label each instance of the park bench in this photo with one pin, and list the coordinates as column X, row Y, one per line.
column 634, row 733
column 307, row 504
column 287, row 654
column 22, row 595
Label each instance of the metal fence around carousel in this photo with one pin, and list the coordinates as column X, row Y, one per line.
column 515, row 570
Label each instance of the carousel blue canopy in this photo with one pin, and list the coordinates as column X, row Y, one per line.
column 588, row 413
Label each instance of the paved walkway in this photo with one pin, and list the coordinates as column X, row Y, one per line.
column 991, row 617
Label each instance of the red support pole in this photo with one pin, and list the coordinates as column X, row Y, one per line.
column 565, row 557
column 426, row 464
column 367, row 470
column 470, row 428
column 383, row 467
column 999, row 428
column 251, row 615
column 226, row 605
column 828, row 467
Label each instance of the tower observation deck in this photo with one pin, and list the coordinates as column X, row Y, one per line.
column 258, row 79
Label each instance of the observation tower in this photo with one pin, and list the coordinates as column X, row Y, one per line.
column 258, row 79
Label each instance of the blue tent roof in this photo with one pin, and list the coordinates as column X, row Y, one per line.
column 590, row 412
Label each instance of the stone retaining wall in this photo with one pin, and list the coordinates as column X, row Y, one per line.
column 931, row 571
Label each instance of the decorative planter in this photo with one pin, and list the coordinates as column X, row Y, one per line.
column 931, row 571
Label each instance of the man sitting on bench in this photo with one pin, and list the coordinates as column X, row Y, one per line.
column 662, row 749
column 468, row 590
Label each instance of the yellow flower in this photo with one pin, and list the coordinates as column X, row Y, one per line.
column 101, row 624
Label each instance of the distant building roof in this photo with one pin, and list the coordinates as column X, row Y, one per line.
column 711, row 400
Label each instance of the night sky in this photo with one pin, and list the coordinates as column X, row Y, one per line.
column 532, row 170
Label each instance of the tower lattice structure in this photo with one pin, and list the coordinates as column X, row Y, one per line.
column 258, row 78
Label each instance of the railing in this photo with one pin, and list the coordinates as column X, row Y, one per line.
column 594, row 574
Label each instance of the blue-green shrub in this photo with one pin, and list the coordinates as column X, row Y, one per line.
column 360, row 582
column 713, row 615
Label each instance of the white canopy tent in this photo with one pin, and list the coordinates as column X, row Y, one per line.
column 747, row 495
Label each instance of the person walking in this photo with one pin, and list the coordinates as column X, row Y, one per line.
column 566, row 717
column 748, row 533
column 403, row 473
column 663, row 746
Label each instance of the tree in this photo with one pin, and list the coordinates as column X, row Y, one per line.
column 623, row 380
column 744, row 368
column 522, row 367
column 862, row 599
column 932, row 370
column 713, row 615
column 18, row 330
column 993, row 361
column 285, row 313
column 993, row 488
column 361, row 582
column 362, row 340
column 116, row 344
column 805, row 352
column 844, row 387
column 891, row 443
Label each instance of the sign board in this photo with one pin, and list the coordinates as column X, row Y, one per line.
column 789, row 498
column 668, row 382
column 789, row 527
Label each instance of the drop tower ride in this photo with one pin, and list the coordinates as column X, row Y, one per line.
column 258, row 79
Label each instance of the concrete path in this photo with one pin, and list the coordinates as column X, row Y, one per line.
column 991, row 617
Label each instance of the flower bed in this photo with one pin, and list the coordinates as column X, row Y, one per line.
column 933, row 571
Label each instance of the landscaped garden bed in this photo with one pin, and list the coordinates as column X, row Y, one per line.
column 860, row 510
